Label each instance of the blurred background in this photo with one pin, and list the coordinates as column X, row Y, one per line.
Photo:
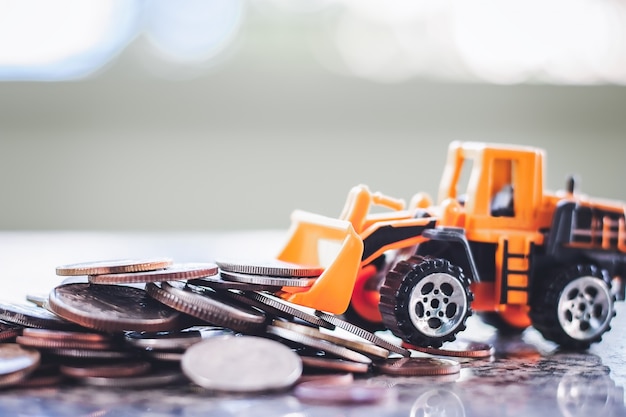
column 229, row 114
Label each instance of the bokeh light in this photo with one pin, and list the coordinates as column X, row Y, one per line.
column 64, row 39
column 576, row 42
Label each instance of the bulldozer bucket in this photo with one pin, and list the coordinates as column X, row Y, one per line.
column 331, row 243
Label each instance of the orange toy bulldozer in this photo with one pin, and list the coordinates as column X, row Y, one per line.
column 495, row 243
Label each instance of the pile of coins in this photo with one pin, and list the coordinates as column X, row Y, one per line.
column 140, row 323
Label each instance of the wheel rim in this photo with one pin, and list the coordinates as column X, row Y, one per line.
column 438, row 304
column 585, row 308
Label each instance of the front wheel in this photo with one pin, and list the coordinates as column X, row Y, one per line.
column 425, row 301
column 574, row 308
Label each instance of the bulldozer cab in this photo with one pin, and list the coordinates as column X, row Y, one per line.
column 492, row 187
column 495, row 193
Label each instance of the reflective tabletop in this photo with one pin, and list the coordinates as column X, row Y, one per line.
column 527, row 376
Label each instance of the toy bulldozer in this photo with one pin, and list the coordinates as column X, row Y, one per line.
column 495, row 243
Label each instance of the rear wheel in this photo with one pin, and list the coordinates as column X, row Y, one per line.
column 425, row 301
column 575, row 307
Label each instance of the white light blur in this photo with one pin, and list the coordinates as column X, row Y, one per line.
column 62, row 39
column 297, row 7
column 516, row 41
column 192, row 31
column 578, row 42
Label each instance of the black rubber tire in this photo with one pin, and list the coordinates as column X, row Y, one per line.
column 494, row 319
column 544, row 311
column 395, row 300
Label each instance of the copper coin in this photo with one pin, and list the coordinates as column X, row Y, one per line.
column 9, row 331
column 362, row 333
column 46, row 375
column 336, row 379
column 112, row 308
column 332, row 364
column 418, row 366
column 14, row 378
column 92, row 354
column 355, row 393
column 156, row 355
column 277, row 307
column 313, row 342
column 39, row 343
column 366, row 348
column 271, row 267
column 157, row 379
column 176, row 272
column 268, row 280
column 119, row 369
column 66, row 335
column 459, row 349
column 33, row 316
column 116, row 266
column 39, row 381
column 199, row 304
column 243, row 364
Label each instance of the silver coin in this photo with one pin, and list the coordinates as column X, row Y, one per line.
column 163, row 340
column 176, row 272
column 268, row 280
column 313, row 342
column 217, row 283
column 14, row 358
column 278, row 307
column 37, row 299
column 366, row 348
column 362, row 333
column 172, row 340
column 33, row 316
column 198, row 304
column 270, row 267
column 416, row 366
column 243, row 364
column 113, row 266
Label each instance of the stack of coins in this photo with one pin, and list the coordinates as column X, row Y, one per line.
column 147, row 322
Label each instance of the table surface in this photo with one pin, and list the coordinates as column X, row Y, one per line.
column 527, row 376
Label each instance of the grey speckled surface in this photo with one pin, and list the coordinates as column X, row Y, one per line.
column 527, row 377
